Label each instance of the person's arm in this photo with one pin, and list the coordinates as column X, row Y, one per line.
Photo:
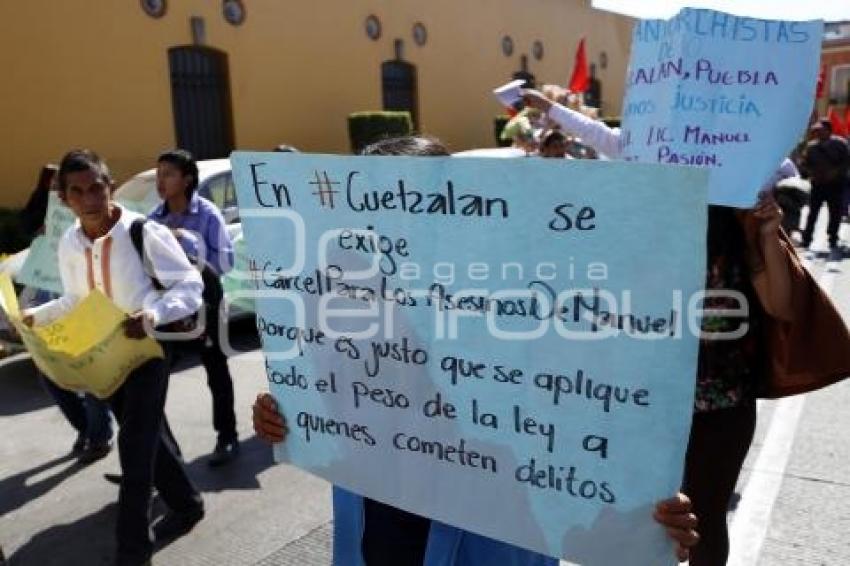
column 772, row 279
column 213, row 246
column 182, row 282
column 188, row 240
column 52, row 310
column 592, row 132
column 219, row 247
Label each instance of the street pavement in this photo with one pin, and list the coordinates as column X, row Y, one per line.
column 54, row 512
column 794, row 507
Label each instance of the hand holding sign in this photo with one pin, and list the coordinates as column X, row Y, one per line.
column 269, row 424
column 536, row 99
column 510, row 93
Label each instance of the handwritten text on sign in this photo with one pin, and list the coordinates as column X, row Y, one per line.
column 714, row 90
column 501, row 345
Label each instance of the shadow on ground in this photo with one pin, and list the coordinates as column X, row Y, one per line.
column 90, row 540
column 19, row 489
column 255, row 457
column 87, row 541
column 20, row 389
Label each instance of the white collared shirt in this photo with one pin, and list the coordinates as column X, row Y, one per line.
column 112, row 265
column 594, row 133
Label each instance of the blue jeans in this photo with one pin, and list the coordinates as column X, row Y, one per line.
column 86, row 413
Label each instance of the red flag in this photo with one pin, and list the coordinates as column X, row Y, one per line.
column 821, row 81
column 839, row 128
column 580, row 80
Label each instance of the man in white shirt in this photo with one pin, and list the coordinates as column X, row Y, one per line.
column 98, row 253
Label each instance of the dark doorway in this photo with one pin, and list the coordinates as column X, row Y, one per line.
column 200, row 97
column 398, row 80
column 524, row 74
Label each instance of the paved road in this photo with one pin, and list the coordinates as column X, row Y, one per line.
column 795, row 506
column 56, row 513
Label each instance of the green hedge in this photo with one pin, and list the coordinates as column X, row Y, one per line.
column 365, row 128
column 499, row 125
column 12, row 236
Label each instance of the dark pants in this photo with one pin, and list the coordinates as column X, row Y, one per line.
column 147, row 458
column 86, row 413
column 392, row 537
column 717, row 448
column 214, row 361
column 218, row 378
column 833, row 196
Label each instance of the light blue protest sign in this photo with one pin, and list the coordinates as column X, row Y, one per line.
column 41, row 268
column 505, row 346
column 732, row 94
column 237, row 289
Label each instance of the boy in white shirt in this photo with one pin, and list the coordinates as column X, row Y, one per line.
column 97, row 253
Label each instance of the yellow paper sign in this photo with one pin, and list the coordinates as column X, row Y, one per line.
column 8, row 299
column 86, row 349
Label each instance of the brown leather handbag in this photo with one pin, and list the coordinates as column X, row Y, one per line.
column 813, row 349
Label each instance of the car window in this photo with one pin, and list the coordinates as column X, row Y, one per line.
column 220, row 190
